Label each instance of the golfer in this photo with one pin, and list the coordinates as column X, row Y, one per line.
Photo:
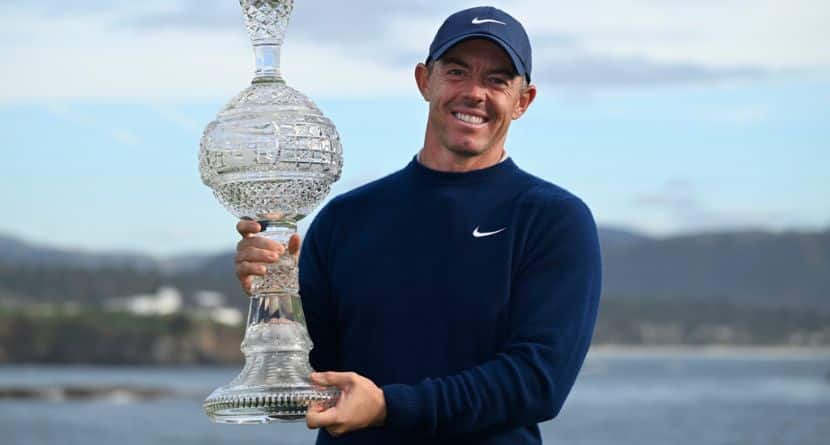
column 452, row 301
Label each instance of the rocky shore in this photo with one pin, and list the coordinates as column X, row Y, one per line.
column 111, row 393
column 104, row 338
column 112, row 338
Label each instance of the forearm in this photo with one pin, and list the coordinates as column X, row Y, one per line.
column 524, row 385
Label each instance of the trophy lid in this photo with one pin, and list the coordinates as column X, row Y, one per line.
column 266, row 20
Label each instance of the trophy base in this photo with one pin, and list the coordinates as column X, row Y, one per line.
column 246, row 405
column 274, row 385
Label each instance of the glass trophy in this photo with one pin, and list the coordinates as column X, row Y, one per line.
column 272, row 156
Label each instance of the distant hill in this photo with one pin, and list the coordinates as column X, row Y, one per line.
column 616, row 237
column 20, row 253
column 753, row 268
column 786, row 269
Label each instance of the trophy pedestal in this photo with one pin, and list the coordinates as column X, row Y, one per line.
column 274, row 384
column 272, row 387
column 245, row 406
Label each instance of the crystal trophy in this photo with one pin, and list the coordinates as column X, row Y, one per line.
column 272, row 156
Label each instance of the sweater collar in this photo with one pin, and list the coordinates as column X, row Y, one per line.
column 499, row 170
column 503, row 156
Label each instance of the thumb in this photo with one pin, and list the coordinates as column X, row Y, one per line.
column 338, row 379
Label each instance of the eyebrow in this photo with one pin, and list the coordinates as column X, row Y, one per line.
column 461, row 63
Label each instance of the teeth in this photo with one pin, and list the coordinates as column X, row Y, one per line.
column 470, row 119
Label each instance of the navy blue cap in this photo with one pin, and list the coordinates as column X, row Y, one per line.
column 489, row 23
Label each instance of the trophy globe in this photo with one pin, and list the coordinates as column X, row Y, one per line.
column 271, row 156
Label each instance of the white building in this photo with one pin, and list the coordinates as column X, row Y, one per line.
column 166, row 301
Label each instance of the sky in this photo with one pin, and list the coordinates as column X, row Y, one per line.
column 666, row 117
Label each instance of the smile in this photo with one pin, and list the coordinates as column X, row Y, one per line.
column 469, row 118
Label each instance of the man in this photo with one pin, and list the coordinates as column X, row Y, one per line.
column 454, row 300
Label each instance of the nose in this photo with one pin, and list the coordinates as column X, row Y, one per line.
column 474, row 91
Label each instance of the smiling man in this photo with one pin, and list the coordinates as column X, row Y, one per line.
column 452, row 301
column 474, row 93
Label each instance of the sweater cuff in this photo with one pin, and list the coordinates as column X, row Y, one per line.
column 403, row 406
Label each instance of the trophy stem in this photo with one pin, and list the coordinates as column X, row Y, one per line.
column 267, row 56
column 274, row 385
column 280, row 285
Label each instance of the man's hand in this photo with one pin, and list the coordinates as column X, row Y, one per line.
column 361, row 404
column 254, row 253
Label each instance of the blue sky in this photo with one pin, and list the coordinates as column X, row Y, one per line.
column 666, row 117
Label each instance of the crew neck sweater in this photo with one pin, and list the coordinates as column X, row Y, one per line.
column 468, row 298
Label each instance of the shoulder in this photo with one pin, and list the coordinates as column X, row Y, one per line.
column 360, row 199
column 546, row 199
column 550, row 217
column 554, row 223
column 369, row 193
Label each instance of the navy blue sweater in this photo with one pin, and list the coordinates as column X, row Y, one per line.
column 469, row 298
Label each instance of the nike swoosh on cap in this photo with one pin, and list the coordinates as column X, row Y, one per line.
column 478, row 21
column 478, row 234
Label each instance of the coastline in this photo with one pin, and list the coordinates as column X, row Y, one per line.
column 598, row 351
column 708, row 351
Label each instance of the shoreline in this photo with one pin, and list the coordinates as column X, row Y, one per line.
column 108, row 393
column 709, row 351
column 598, row 351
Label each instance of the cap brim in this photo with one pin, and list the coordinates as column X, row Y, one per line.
column 517, row 63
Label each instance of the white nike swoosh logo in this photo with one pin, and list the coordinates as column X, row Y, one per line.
column 478, row 21
column 478, row 234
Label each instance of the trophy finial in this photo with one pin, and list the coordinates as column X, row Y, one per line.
column 266, row 20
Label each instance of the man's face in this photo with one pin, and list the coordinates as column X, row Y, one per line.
column 473, row 95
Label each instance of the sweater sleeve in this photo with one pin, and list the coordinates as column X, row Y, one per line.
column 553, row 307
column 315, row 292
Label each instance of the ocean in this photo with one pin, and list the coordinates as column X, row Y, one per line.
column 643, row 397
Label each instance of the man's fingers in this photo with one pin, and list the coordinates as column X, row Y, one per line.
column 317, row 406
column 247, row 227
column 254, row 255
column 247, row 282
column 245, row 269
column 294, row 244
column 259, row 242
column 321, row 419
column 338, row 379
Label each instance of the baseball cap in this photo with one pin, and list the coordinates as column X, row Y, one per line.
column 489, row 23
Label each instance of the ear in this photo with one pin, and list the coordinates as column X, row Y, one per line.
column 525, row 99
column 422, row 80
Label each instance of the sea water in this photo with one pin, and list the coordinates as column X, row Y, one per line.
column 644, row 398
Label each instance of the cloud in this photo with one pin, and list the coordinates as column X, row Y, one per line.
column 675, row 194
column 79, row 119
column 563, row 60
column 203, row 15
column 679, row 203
column 197, row 49
column 181, row 120
column 583, row 69
column 745, row 115
column 324, row 19
column 374, row 29
column 60, row 7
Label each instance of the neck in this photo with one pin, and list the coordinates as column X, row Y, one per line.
column 445, row 160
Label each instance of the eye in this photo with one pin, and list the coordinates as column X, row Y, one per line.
column 455, row 72
column 498, row 81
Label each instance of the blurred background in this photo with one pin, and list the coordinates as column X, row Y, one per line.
column 697, row 131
